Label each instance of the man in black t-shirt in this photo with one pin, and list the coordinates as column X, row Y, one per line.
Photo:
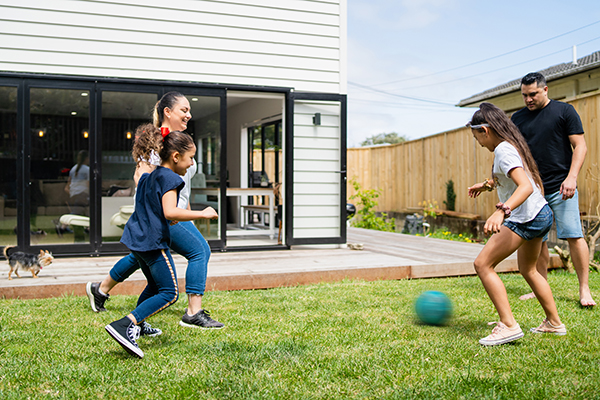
column 554, row 134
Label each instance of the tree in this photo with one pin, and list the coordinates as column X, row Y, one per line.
column 383, row 138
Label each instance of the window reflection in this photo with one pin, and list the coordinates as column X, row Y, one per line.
column 8, row 166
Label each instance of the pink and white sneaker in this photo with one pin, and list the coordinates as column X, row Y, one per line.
column 501, row 334
column 547, row 327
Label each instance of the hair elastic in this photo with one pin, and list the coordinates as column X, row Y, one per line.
column 164, row 131
column 504, row 208
column 479, row 126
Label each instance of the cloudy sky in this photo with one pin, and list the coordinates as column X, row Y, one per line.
column 411, row 61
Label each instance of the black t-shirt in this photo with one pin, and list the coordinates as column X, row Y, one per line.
column 547, row 133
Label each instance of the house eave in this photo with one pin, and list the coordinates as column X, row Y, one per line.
column 515, row 85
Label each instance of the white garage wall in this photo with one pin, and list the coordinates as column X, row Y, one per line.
column 290, row 43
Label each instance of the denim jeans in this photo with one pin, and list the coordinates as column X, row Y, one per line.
column 185, row 240
column 161, row 290
column 124, row 268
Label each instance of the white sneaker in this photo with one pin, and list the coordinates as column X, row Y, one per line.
column 501, row 334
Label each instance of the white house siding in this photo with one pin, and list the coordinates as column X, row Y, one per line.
column 289, row 43
column 316, row 170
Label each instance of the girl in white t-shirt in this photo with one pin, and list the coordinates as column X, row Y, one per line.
column 521, row 220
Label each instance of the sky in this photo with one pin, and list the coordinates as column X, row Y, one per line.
column 411, row 61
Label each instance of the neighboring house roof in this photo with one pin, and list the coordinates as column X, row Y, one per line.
column 551, row 73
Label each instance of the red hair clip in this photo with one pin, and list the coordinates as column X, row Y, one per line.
column 164, row 131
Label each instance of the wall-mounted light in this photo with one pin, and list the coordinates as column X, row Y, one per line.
column 41, row 132
column 85, row 134
column 317, row 119
column 84, row 94
column 73, row 112
column 194, row 99
column 128, row 134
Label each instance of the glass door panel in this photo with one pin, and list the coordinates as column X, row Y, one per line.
column 205, row 128
column 265, row 155
column 265, row 169
column 122, row 113
column 59, row 170
column 8, row 166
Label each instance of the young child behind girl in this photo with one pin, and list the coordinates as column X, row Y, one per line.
column 147, row 233
column 521, row 220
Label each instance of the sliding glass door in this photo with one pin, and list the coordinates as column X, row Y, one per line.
column 65, row 152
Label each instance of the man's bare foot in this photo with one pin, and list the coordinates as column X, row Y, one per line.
column 527, row 296
column 585, row 299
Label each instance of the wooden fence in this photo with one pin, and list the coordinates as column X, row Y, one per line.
column 411, row 172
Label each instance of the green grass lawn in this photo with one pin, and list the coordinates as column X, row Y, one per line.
column 342, row 340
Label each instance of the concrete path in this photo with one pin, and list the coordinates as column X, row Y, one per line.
column 384, row 256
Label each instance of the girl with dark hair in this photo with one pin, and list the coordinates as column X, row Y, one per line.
column 171, row 113
column 521, row 220
column 147, row 235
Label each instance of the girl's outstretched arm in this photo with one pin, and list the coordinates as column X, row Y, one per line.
column 173, row 213
column 477, row 188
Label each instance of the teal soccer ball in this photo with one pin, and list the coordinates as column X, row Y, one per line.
column 433, row 308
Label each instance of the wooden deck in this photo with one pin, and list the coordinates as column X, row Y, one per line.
column 385, row 256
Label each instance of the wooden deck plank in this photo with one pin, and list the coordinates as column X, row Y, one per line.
column 385, row 256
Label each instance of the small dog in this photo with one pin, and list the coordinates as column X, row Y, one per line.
column 31, row 262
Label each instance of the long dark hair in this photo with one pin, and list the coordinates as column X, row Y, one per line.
column 175, row 141
column 81, row 157
column 168, row 100
column 505, row 129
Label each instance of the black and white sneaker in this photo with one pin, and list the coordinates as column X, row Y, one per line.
column 201, row 319
column 125, row 332
column 97, row 299
column 147, row 330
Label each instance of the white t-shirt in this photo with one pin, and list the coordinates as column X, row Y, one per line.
column 80, row 182
column 506, row 158
column 184, row 195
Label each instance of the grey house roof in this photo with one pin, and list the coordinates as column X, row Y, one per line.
column 551, row 73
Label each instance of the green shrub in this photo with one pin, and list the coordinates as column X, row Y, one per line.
column 367, row 218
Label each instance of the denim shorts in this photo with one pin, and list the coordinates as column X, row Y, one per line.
column 566, row 215
column 536, row 228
